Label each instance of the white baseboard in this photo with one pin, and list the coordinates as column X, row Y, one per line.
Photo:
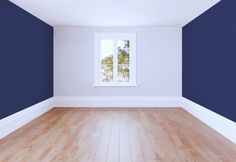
column 19, row 119
column 219, row 123
column 118, row 101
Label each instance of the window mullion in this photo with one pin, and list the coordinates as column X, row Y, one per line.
column 115, row 62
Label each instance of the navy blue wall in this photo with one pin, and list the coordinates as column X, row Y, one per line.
column 209, row 59
column 26, row 59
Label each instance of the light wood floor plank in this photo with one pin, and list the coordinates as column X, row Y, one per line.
column 134, row 128
column 103, row 145
column 114, row 145
column 125, row 146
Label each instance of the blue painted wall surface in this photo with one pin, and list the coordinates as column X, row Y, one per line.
column 209, row 59
column 26, row 59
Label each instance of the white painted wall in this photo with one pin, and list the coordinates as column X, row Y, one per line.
column 159, row 62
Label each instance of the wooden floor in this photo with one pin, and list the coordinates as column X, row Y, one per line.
column 116, row 135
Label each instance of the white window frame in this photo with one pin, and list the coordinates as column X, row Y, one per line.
column 115, row 36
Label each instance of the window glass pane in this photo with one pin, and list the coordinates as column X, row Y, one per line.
column 123, row 73
column 123, row 60
column 123, row 51
column 107, row 48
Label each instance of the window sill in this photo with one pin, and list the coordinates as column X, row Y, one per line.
column 115, row 85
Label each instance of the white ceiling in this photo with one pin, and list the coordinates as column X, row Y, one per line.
column 116, row 13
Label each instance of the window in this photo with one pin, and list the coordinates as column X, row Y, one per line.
column 115, row 60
